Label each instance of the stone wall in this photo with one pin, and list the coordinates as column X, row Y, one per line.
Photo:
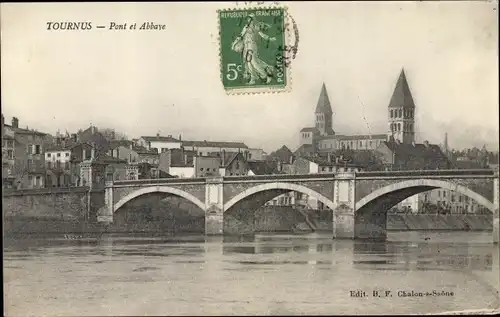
column 62, row 203
column 45, row 211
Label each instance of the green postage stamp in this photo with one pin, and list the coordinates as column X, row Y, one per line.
column 253, row 50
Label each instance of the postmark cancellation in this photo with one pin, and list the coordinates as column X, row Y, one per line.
column 254, row 50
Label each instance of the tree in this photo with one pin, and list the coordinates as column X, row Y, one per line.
column 112, row 135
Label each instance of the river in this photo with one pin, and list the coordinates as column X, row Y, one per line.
column 264, row 274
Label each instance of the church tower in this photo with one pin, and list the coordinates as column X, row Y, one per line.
column 402, row 112
column 324, row 114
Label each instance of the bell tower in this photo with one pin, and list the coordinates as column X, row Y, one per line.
column 323, row 113
column 401, row 112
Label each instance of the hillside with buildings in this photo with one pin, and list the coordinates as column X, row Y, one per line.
column 35, row 159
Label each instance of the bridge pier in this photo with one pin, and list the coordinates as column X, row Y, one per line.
column 344, row 203
column 214, row 206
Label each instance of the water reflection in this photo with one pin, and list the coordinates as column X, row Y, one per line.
column 235, row 272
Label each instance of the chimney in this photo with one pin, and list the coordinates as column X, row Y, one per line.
column 15, row 122
column 426, row 143
column 158, row 134
column 180, row 137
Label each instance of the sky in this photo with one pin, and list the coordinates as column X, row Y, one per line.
column 168, row 81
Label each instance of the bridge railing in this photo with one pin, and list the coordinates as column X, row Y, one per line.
column 154, row 181
column 455, row 172
column 415, row 173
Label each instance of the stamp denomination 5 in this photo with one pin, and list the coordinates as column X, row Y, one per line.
column 253, row 45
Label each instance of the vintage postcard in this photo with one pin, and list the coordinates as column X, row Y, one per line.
column 250, row 158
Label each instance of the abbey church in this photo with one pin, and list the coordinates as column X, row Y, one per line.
column 400, row 125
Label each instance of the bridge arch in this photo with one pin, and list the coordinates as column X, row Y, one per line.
column 422, row 185
column 158, row 189
column 277, row 186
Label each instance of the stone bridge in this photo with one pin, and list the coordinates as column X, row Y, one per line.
column 359, row 201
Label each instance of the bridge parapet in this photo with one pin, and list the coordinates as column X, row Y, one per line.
column 426, row 173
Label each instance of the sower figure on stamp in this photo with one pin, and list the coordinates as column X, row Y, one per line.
column 246, row 43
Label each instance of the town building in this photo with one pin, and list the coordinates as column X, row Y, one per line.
column 58, row 166
column 147, row 160
column 8, row 159
column 159, row 143
column 207, row 147
column 26, row 169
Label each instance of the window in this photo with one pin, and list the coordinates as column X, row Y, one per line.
column 49, row 164
column 37, row 149
column 249, row 156
column 48, row 154
column 400, row 113
column 214, row 169
column 58, row 164
column 30, row 149
column 66, row 165
column 67, row 154
column 392, row 114
column 58, row 154
column 38, row 181
column 30, row 163
column 201, row 169
column 10, row 154
column 444, row 194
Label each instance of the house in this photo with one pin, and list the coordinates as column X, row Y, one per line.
column 131, row 152
column 262, row 168
column 318, row 164
column 256, row 154
column 27, row 146
column 58, row 166
column 159, row 143
column 92, row 136
column 233, row 164
column 177, row 162
column 8, row 158
column 206, row 166
column 207, row 147
column 396, row 155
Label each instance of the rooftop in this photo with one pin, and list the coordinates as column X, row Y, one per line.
column 216, row 144
column 401, row 97
column 159, row 138
column 323, row 105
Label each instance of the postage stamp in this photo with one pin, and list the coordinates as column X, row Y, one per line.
column 253, row 50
